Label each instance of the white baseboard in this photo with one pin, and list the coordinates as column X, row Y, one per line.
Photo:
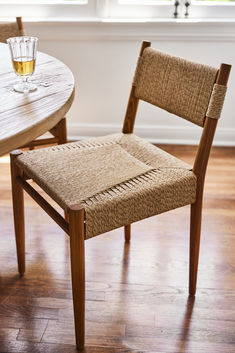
column 154, row 133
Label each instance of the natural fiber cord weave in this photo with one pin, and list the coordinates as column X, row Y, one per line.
column 8, row 30
column 179, row 86
column 216, row 101
column 118, row 178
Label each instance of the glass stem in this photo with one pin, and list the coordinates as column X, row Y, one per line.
column 25, row 84
column 25, row 80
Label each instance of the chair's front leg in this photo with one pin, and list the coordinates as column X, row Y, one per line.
column 76, row 232
column 18, row 210
column 195, row 233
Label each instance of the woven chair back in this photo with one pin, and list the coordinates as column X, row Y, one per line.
column 8, row 30
column 179, row 86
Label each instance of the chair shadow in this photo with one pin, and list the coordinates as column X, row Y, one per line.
column 185, row 326
column 186, row 322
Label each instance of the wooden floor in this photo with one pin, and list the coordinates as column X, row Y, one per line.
column 136, row 296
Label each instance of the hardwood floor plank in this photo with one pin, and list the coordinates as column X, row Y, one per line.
column 204, row 332
column 62, row 332
column 171, row 345
column 23, row 347
column 8, row 334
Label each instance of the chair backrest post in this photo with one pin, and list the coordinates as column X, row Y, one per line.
column 203, row 152
column 20, row 25
column 128, row 125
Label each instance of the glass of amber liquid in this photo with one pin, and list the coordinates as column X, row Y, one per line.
column 23, row 55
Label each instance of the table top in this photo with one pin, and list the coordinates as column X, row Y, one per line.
column 25, row 116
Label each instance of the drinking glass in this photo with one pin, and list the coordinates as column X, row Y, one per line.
column 23, row 54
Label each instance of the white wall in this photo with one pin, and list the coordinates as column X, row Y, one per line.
column 102, row 57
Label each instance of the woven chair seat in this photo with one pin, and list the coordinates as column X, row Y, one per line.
column 119, row 179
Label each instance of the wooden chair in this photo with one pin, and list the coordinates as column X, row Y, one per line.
column 59, row 131
column 100, row 194
column 13, row 29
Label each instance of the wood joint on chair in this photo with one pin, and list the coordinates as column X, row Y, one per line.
column 25, row 176
column 15, row 153
column 76, row 207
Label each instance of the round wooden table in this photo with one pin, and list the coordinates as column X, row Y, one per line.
column 23, row 117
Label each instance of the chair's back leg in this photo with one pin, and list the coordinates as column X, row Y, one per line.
column 18, row 210
column 199, row 169
column 195, row 232
column 76, row 232
column 127, row 232
column 61, row 133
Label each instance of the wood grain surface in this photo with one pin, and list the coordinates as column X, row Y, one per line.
column 136, row 294
column 23, row 117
